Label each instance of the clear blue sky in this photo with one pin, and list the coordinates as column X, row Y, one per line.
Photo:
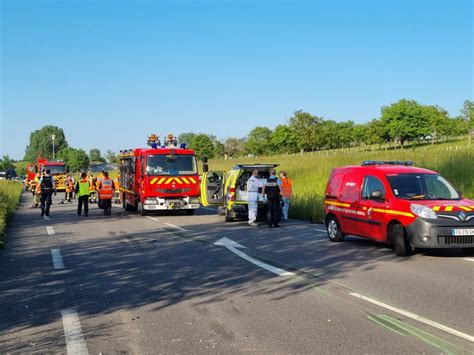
column 111, row 72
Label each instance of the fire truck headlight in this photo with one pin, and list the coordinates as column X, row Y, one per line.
column 423, row 211
column 194, row 200
column 150, row 201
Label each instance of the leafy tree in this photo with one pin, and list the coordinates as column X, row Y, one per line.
column 360, row 133
column 283, row 140
column 112, row 157
column 219, row 148
column 467, row 113
column 438, row 121
column 41, row 143
column 234, row 147
column 405, row 120
column 202, row 145
column 95, row 155
column 259, row 141
column 306, row 128
column 377, row 132
column 76, row 159
column 186, row 137
column 6, row 163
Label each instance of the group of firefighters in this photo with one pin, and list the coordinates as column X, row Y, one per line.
column 87, row 189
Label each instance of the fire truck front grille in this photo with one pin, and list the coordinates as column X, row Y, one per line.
column 456, row 240
column 174, row 191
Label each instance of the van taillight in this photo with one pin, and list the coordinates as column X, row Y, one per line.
column 232, row 193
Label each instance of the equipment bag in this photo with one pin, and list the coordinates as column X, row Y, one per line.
column 47, row 184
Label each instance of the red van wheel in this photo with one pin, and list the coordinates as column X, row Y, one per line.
column 400, row 240
column 334, row 229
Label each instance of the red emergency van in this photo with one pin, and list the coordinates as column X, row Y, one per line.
column 397, row 203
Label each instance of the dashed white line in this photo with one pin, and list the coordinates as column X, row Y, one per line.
column 46, row 218
column 75, row 342
column 173, row 226
column 58, row 263
column 153, row 218
column 468, row 259
column 50, row 230
column 415, row 317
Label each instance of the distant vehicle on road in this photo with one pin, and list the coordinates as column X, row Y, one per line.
column 228, row 190
column 397, row 203
column 159, row 178
column 57, row 168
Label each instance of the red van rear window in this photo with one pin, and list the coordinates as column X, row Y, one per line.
column 334, row 186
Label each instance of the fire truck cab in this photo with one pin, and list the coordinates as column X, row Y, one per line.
column 159, row 178
column 57, row 170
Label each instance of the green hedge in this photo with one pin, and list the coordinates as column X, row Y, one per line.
column 10, row 192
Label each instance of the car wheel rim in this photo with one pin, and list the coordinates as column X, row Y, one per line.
column 332, row 229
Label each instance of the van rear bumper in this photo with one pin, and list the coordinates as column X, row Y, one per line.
column 423, row 233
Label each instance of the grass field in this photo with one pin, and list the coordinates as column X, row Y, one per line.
column 10, row 192
column 311, row 170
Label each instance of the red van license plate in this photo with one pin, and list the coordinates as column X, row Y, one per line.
column 463, row 232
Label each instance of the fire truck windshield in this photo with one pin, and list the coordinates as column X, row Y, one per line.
column 171, row 165
column 55, row 169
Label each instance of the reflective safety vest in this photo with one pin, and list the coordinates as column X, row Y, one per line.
column 117, row 184
column 106, row 191
column 287, row 187
column 83, row 188
column 91, row 184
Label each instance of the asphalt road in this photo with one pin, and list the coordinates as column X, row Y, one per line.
column 148, row 285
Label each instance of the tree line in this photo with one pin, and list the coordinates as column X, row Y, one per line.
column 401, row 122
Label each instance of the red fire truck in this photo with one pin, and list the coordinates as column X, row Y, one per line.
column 57, row 169
column 162, row 177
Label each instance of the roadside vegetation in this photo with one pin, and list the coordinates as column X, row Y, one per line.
column 10, row 192
column 454, row 160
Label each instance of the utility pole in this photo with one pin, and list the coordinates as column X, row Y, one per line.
column 53, row 136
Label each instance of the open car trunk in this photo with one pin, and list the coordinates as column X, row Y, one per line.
column 241, row 183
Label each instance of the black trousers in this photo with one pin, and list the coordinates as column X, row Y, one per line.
column 273, row 212
column 46, row 201
column 83, row 200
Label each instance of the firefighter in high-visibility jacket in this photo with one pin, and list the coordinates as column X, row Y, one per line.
column 92, row 189
column 69, row 184
column 286, row 185
column 35, row 190
column 117, row 189
column 82, row 192
column 106, row 193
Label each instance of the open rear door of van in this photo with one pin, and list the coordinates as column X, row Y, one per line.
column 212, row 188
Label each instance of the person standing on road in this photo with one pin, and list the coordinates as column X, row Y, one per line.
column 48, row 187
column 272, row 190
column 253, row 184
column 106, row 193
column 69, row 184
column 286, row 185
column 82, row 190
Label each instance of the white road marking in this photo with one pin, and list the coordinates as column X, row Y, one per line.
column 50, row 230
column 75, row 341
column 468, row 259
column 46, row 218
column 58, row 263
column 173, row 226
column 232, row 246
column 416, row 317
column 152, row 218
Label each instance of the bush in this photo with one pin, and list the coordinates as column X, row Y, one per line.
column 10, row 192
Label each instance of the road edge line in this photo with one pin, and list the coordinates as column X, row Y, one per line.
column 416, row 317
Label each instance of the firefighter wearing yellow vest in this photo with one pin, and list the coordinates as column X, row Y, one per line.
column 117, row 189
column 35, row 190
column 92, row 189
column 106, row 193
column 82, row 192
column 286, row 185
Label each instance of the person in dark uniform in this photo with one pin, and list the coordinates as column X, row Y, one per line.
column 48, row 187
column 273, row 192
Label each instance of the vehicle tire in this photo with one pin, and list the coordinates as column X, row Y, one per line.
column 190, row 212
column 140, row 210
column 400, row 240
column 334, row 229
column 221, row 210
column 227, row 217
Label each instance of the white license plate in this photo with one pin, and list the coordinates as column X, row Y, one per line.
column 462, row 232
